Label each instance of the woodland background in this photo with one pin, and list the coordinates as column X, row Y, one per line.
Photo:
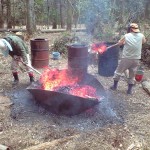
column 120, row 123
column 102, row 18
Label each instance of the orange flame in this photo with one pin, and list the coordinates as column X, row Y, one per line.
column 58, row 80
column 101, row 48
column 84, row 91
column 52, row 79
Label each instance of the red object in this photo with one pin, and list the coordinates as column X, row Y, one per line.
column 139, row 74
column 138, row 77
column 61, row 101
column 99, row 47
column 57, row 80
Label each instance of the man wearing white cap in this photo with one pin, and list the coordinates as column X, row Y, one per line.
column 131, row 55
column 15, row 47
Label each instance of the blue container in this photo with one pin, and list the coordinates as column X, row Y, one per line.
column 56, row 55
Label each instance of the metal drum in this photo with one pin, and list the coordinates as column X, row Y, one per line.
column 78, row 58
column 108, row 61
column 39, row 52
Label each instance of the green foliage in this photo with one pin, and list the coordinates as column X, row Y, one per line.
column 39, row 11
column 19, row 13
column 38, row 2
column 94, row 14
column 107, row 34
column 100, row 16
column 60, row 44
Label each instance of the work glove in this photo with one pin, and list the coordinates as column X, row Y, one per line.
column 17, row 58
column 28, row 61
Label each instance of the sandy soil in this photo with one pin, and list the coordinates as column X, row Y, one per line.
column 120, row 122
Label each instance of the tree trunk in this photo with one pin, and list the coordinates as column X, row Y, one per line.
column 147, row 9
column 9, row 20
column 121, row 20
column 113, row 4
column 76, row 16
column 31, row 26
column 54, row 24
column 69, row 15
column 13, row 14
column 62, row 23
column 1, row 14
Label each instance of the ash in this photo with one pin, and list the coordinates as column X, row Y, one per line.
column 106, row 112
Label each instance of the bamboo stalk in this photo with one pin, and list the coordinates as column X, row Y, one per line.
column 112, row 46
column 31, row 67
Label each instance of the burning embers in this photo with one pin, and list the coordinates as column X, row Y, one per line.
column 99, row 47
column 64, row 93
column 64, row 82
column 69, row 91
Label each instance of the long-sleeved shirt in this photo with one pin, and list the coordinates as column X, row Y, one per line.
column 18, row 46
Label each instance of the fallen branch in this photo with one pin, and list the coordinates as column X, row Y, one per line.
column 52, row 144
column 43, row 30
column 62, row 30
column 146, row 86
column 12, row 30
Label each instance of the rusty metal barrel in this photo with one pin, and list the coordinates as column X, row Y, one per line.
column 78, row 58
column 39, row 52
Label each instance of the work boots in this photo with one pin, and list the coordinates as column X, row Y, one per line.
column 130, row 86
column 114, row 87
column 31, row 76
column 16, row 79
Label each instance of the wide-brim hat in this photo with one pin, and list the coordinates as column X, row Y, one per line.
column 134, row 27
column 5, row 47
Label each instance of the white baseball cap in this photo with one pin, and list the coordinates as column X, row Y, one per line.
column 5, row 47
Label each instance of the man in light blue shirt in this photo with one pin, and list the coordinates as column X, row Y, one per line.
column 131, row 55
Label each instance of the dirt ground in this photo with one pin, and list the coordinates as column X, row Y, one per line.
column 120, row 122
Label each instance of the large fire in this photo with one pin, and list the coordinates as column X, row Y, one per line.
column 99, row 47
column 63, row 81
column 53, row 78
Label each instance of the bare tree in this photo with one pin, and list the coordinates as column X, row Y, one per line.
column 9, row 19
column 31, row 26
column 62, row 23
column 1, row 13
column 69, row 15
column 55, row 15
column 147, row 9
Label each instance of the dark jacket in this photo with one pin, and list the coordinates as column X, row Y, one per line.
column 18, row 46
